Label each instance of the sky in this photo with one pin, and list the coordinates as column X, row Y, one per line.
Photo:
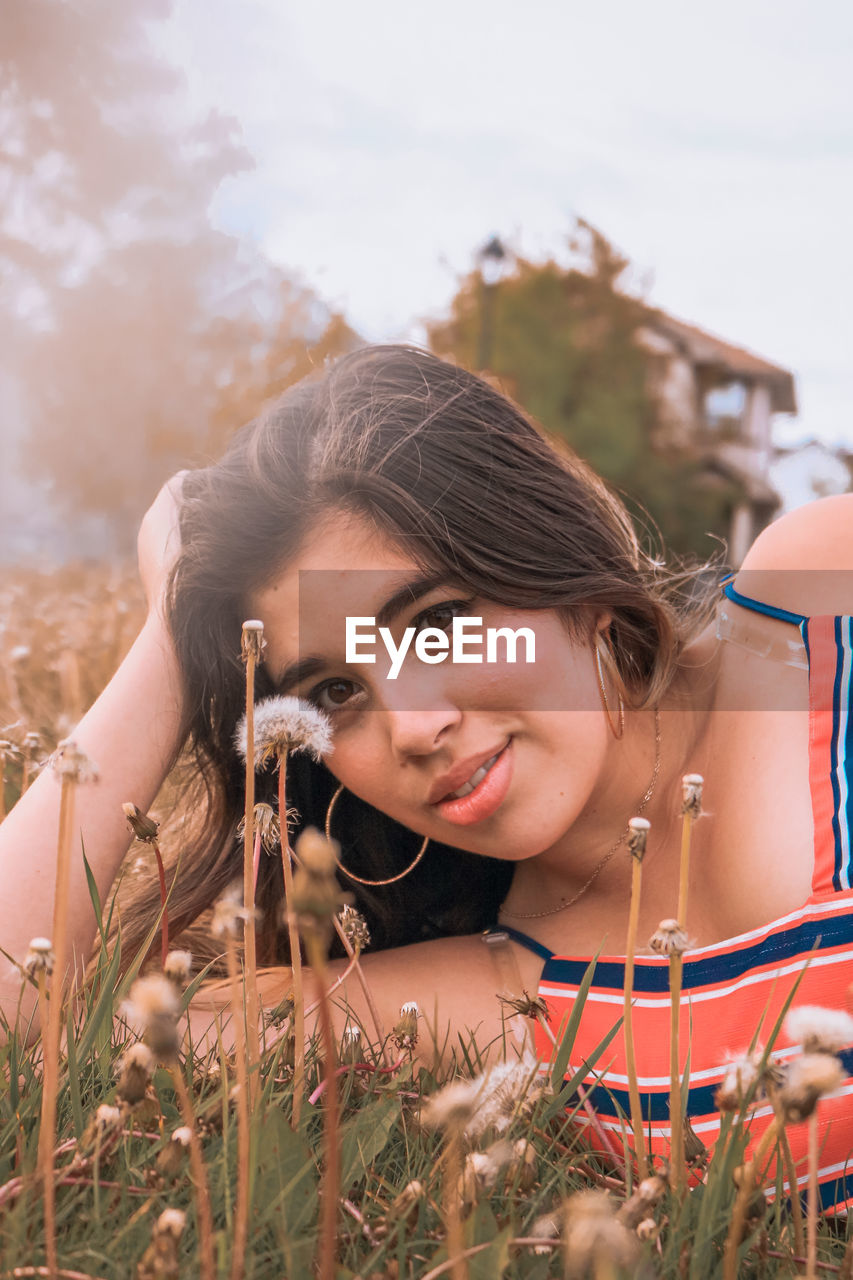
column 713, row 144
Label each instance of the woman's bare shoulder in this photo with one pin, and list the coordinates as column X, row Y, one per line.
column 803, row 562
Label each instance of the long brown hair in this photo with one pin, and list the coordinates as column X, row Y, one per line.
column 449, row 469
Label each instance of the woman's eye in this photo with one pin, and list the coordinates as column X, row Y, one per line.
column 336, row 695
column 440, row 616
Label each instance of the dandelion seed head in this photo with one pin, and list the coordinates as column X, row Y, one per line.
column 819, row 1030
column 638, row 835
column 809, row 1078
column 284, row 725
column 252, row 640
column 69, row 761
column 39, row 957
column 739, row 1079
column 107, row 1117
column 592, row 1235
column 229, row 914
column 171, row 1222
column 183, row 1136
column 691, row 794
column 354, row 927
column 669, row 939
column 178, row 967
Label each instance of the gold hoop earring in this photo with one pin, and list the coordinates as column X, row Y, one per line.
column 605, row 704
column 351, row 874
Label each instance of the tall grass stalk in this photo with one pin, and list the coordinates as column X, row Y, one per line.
column 639, row 830
column 295, row 950
column 50, row 1041
column 241, row 1209
column 314, row 904
column 691, row 807
column 201, row 1189
column 354, row 954
column 812, row 1201
column 744, row 1195
column 252, row 649
column 331, row 1173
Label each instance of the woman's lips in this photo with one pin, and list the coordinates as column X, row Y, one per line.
column 486, row 797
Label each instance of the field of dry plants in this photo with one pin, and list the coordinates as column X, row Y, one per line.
column 124, row 1152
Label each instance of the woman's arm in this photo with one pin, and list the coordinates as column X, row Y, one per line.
column 133, row 734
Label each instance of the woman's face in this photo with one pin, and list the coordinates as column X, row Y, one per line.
column 404, row 744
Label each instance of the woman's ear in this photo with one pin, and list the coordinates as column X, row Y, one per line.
column 602, row 620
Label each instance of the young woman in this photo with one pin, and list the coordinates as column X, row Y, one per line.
column 398, row 488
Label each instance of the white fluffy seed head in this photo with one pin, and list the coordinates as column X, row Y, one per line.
column 170, row 1223
column 69, row 761
column 178, row 967
column 182, row 1136
column 819, row 1030
column 284, row 725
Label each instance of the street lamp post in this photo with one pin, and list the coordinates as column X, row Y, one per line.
column 491, row 259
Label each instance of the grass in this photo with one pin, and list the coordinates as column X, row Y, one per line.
column 507, row 1182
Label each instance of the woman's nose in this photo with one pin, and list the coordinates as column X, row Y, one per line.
column 419, row 733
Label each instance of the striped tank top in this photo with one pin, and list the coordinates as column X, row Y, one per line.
column 733, row 987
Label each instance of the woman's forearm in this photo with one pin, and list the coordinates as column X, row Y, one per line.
column 132, row 734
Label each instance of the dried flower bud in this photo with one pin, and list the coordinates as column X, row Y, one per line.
column 229, row 914
column 691, row 794
column 809, row 1078
column 695, row 1151
column 135, row 1068
column 819, row 1030
column 404, row 1208
column 267, row 825
column 350, row 1046
column 31, row 743
column 405, row 1031
column 106, row 1121
column 70, row 762
column 253, row 642
column 171, row 1222
column 647, row 1230
column 644, row 1197
column 638, row 834
column 39, row 957
column 740, row 1081
column 533, row 1007
column 523, row 1164
column 153, row 1006
column 354, row 927
column 285, row 725
column 178, row 968
column 547, row 1228
column 143, row 827
column 669, row 939
column 170, row 1160
column 593, row 1237
column 316, row 893
column 476, row 1176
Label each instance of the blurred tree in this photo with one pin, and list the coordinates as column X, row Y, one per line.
column 135, row 335
column 563, row 342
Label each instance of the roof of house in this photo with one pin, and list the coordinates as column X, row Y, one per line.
column 703, row 348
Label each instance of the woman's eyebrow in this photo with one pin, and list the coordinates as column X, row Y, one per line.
column 407, row 594
column 295, row 672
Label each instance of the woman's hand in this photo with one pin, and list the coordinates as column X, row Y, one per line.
column 159, row 541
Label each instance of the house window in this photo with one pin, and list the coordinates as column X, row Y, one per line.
column 725, row 406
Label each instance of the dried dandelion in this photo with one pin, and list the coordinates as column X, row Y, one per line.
column 145, row 830
column 252, row 649
column 178, row 968
column 594, row 1238
column 72, row 766
column 819, row 1030
column 638, row 832
column 136, row 1067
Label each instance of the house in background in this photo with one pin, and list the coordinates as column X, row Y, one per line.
column 717, row 402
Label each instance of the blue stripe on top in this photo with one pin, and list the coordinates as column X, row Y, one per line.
column 758, row 606
column 842, row 753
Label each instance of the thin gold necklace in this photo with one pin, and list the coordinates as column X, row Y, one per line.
column 611, row 852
